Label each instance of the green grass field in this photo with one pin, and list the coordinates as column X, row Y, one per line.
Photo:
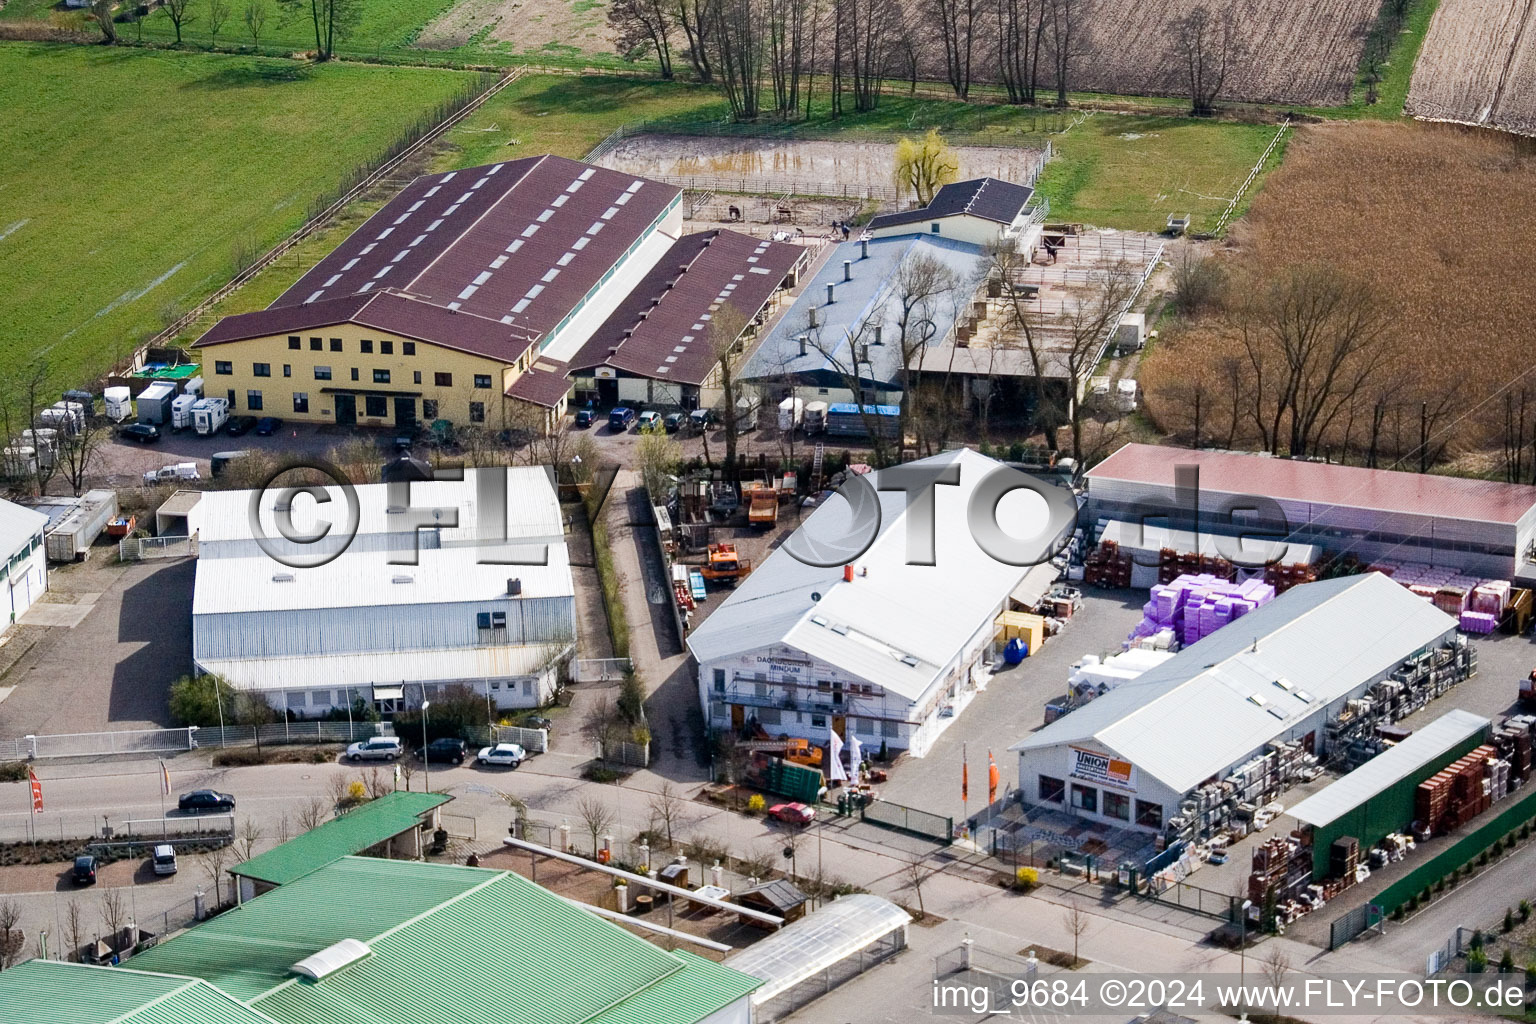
column 135, row 174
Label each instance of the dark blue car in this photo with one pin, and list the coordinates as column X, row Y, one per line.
column 619, row 419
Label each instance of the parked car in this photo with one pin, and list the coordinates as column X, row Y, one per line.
column 585, row 418
column 675, row 421
column 700, row 419
column 380, row 748
column 171, row 474
column 84, row 872
column 446, row 750
column 200, row 801
column 620, row 419
column 793, row 813
column 163, row 859
column 506, row 755
column 650, row 419
column 269, row 425
column 144, row 433
column 238, row 425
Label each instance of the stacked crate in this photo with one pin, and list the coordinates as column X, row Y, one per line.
column 1344, row 858
column 1282, row 868
column 1457, row 793
column 1284, row 577
column 1107, row 566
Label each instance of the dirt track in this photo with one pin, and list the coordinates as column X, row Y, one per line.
column 1478, row 66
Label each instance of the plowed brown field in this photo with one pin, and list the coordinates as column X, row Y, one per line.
column 1478, row 65
column 1295, row 52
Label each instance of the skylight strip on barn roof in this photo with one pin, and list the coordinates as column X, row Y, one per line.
column 580, row 243
column 432, row 191
column 468, row 291
column 314, row 295
column 517, row 243
column 565, row 260
column 530, row 230
column 350, row 264
column 466, row 197
column 533, row 292
column 447, row 178
column 384, row 234
column 498, row 262
column 484, row 276
column 522, row 304
column 544, row 217
column 402, row 254
column 365, row 250
column 550, row 275
column 608, row 213
column 434, row 224
column 584, row 175
column 418, row 240
column 559, row 200
column 418, row 204
column 333, row 280
column 382, row 272
column 635, row 186
column 452, row 210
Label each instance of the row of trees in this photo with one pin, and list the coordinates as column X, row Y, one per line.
column 764, row 55
column 333, row 20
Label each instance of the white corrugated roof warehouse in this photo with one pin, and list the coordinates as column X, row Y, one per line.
column 883, row 655
column 1279, row 673
column 369, row 624
column 23, row 563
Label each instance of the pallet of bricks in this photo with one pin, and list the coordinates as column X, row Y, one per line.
column 1282, row 877
column 1107, row 566
column 1460, row 791
column 1172, row 564
column 1284, row 577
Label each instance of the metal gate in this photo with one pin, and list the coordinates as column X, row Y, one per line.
column 1347, row 925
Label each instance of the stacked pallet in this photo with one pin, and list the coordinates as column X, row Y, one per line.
column 1282, row 869
column 1284, row 577
column 1478, row 605
column 1172, row 564
column 1457, row 793
column 1107, row 566
column 1515, row 742
column 1193, row 607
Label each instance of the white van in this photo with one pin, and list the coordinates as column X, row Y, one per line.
column 164, row 859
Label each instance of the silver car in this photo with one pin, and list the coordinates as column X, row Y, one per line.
column 507, row 755
column 380, row 748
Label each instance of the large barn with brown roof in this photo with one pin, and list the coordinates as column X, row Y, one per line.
column 470, row 294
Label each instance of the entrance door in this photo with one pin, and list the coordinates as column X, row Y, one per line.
column 607, row 392
column 346, row 410
column 405, row 413
column 738, row 716
column 840, row 726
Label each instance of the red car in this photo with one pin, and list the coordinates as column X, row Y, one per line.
column 793, row 814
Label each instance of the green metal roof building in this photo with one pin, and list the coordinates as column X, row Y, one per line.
column 371, row 824
column 445, row 943
column 51, row 992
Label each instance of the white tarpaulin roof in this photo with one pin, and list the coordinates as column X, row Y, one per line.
column 819, row 940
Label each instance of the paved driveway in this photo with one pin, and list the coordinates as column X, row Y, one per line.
column 111, row 669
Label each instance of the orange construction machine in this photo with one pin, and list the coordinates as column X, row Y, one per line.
column 725, row 564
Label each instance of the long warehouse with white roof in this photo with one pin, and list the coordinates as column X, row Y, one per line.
column 1312, row 668
column 489, row 602
column 885, row 650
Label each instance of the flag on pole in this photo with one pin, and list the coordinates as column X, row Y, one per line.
column 855, row 753
column 965, row 776
column 37, row 791
column 991, row 779
column 835, row 772
column 165, row 780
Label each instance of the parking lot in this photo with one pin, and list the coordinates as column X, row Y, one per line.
column 113, row 668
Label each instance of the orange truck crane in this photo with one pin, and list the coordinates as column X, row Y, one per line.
column 725, row 564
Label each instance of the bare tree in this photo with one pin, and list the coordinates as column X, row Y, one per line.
column 1077, row 921
column 407, row 772
column 255, row 14
column 915, row 873
column 1063, row 19
column 865, row 31
column 597, row 817
column 10, row 937
column 250, row 835
column 1020, row 30
column 1276, row 965
column 1020, row 322
column 74, row 928
column 738, row 36
column 314, row 810
column 114, row 914
column 181, row 15
column 696, row 18
column 1087, row 323
column 640, row 23
column 666, row 810
column 1314, row 341
column 727, row 342
column 218, row 14
column 1207, row 44
column 957, row 22
column 757, row 864
column 788, row 22
column 378, row 783
column 213, row 866
column 77, row 451
column 102, row 12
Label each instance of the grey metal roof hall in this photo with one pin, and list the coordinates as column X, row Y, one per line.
column 1388, row 768
column 866, row 299
column 987, row 198
column 1218, row 700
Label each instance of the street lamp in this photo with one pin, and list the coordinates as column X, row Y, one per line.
column 426, row 755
